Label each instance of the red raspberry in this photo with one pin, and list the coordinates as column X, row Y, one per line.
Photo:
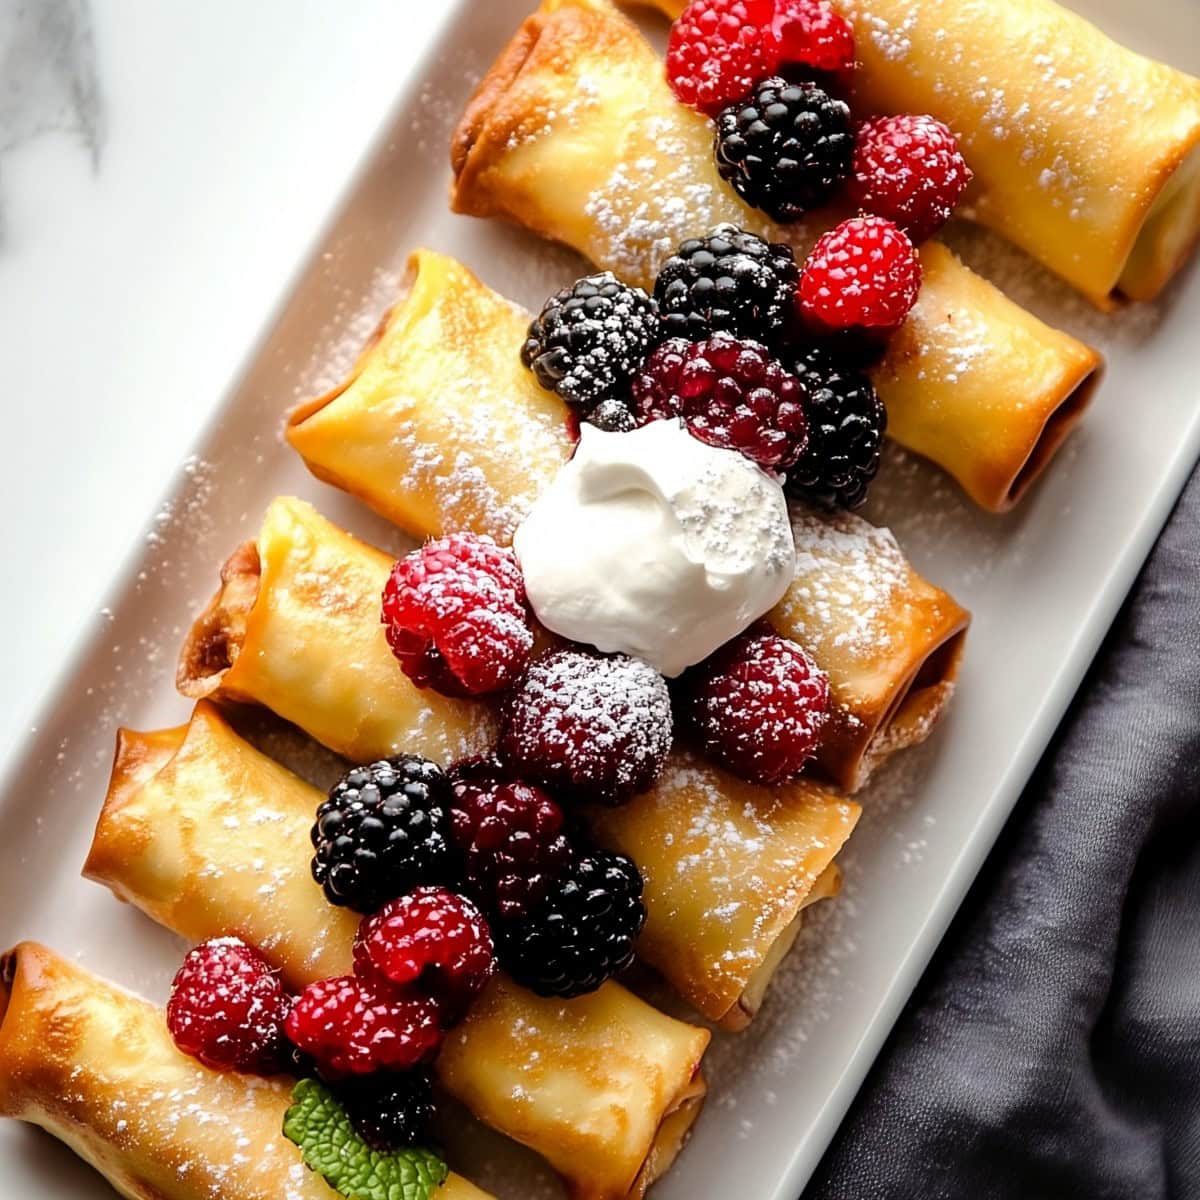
column 587, row 726
column 757, row 705
column 511, row 837
column 718, row 50
column 810, row 33
column 864, row 274
column 731, row 393
column 354, row 1026
column 910, row 170
column 227, row 1008
column 456, row 617
column 433, row 937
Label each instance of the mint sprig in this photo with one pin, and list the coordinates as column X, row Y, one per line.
column 329, row 1145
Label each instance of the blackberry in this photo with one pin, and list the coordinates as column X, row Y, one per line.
column 390, row 1110
column 512, row 837
column 384, row 830
column 846, row 424
column 727, row 280
column 786, row 147
column 582, row 933
column 613, row 416
column 589, row 339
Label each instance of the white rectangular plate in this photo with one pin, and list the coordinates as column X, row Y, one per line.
column 1044, row 584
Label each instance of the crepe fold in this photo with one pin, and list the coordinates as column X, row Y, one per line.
column 438, row 427
column 96, row 1067
column 209, row 837
column 575, row 133
column 748, row 891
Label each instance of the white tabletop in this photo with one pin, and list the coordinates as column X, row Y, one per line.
column 163, row 168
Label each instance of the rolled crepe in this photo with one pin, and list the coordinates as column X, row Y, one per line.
column 446, row 357
column 97, row 1068
column 801, row 827
column 575, row 133
column 209, row 837
column 300, row 597
column 1085, row 154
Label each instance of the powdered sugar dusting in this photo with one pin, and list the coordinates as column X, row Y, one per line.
column 848, row 573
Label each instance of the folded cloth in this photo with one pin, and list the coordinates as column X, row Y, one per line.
column 1053, row 1047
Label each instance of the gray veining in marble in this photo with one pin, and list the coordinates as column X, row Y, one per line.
column 48, row 80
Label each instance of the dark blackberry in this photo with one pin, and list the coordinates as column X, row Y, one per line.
column 786, row 147
column 583, row 932
column 613, row 416
column 846, row 424
column 512, row 837
column 384, row 830
column 391, row 1109
column 727, row 280
column 589, row 338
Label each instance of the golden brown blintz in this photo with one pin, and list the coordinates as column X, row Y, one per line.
column 575, row 133
column 889, row 640
column 96, row 1067
column 329, row 652
column 210, row 837
column 1085, row 154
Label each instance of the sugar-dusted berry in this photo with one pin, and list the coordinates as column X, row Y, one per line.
column 718, row 49
column 511, row 835
column 587, row 726
column 731, row 392
column 910, row 170
column 227, row 1008
column 757, row 706
column 455, row 616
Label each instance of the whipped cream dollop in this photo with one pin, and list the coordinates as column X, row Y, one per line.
column 656, row 544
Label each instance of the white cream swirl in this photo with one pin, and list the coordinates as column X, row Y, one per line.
column 656, row 544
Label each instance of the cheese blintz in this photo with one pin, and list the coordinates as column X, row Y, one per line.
column 96, row 1067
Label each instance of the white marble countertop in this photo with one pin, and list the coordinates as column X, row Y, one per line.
column 163, row 167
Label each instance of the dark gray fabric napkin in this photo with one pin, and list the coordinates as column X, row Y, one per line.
column 1052, row 1049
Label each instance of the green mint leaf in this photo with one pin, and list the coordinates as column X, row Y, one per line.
column 318, row 1124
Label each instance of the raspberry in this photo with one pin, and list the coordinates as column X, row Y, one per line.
column 863, row 274
column 718, row 48
column 910, row 170
column 511, row 836
column 757, row 705
column 587, row 726
column 590, row 338
column 227, row 1008
column 729, row 279
column 431, row 937
column 785, row 147
column 384, row 829
column 846, row 424
column 811, row 34
column 456, row 617
column 731, row 393
column 389, row 1110
column 354, row 1026
column 583, row 933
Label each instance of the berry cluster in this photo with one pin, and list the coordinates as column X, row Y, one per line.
column 719, row 341
column 772, row 74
